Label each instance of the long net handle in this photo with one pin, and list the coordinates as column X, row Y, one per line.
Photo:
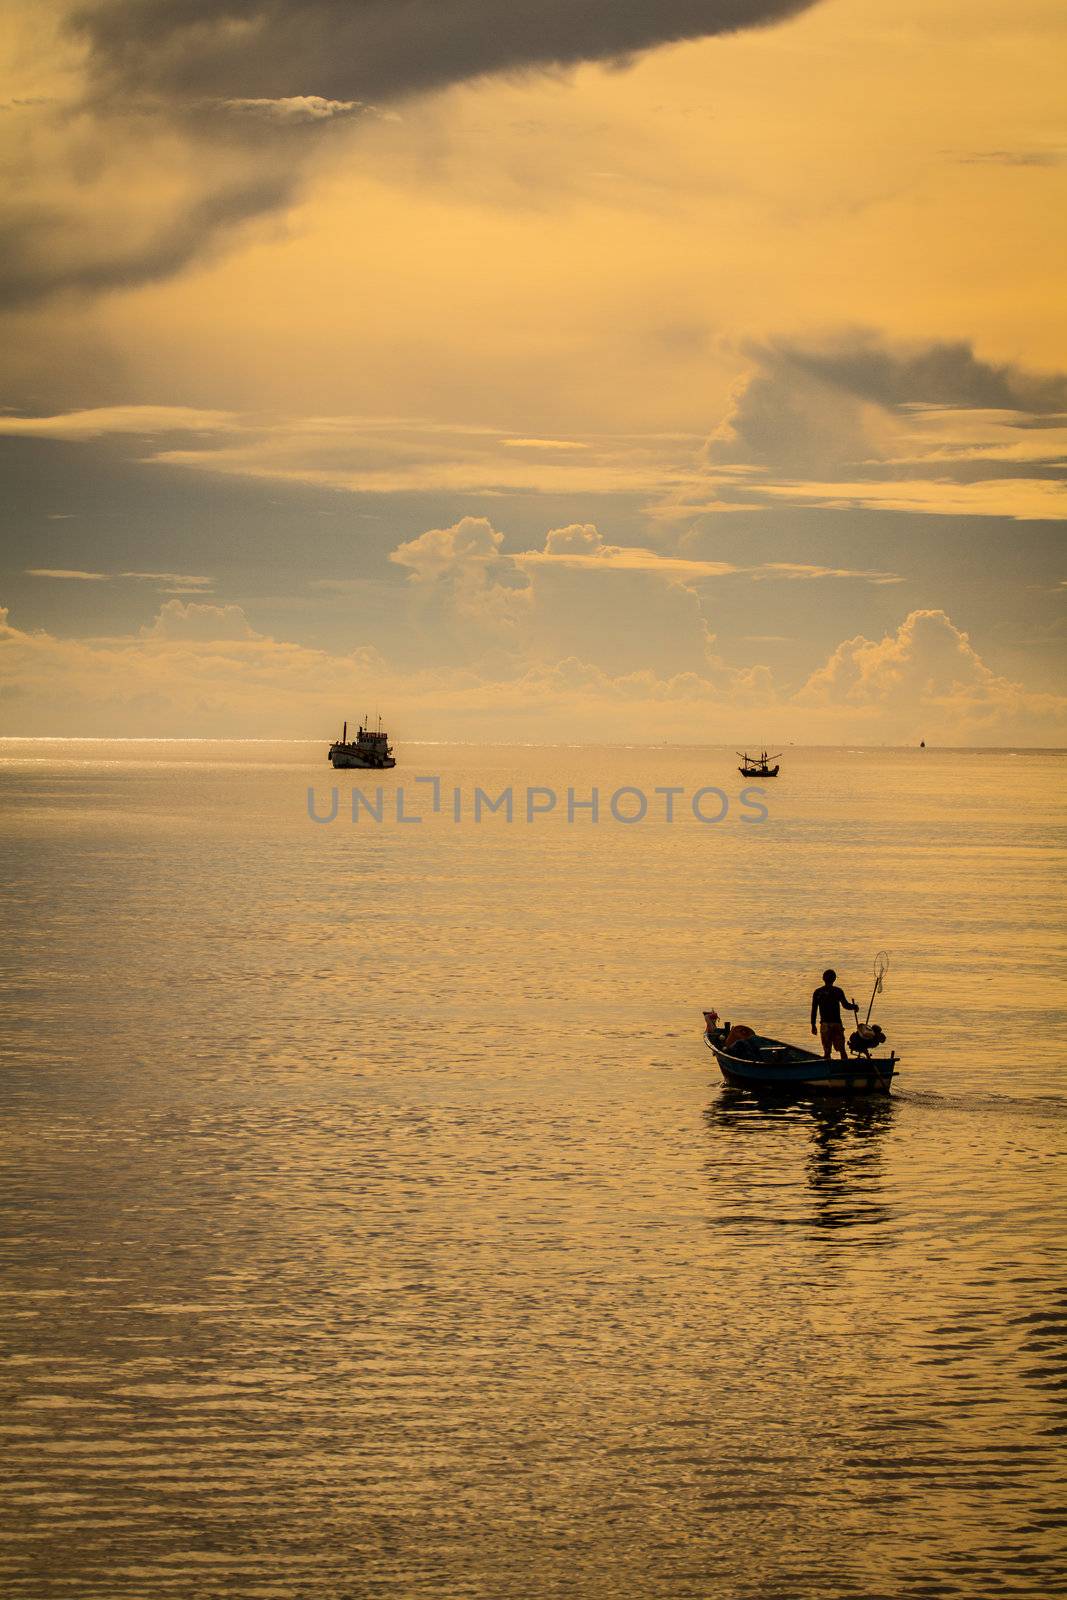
column 881, row 967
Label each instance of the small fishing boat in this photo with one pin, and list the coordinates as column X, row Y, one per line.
column 751, row 767
column 748, row 1060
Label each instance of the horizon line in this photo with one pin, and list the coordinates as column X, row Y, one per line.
column 504, row 744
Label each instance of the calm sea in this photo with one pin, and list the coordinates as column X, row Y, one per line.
column 375, row 1224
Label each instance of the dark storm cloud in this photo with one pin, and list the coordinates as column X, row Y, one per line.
column 41, row 254
column 250, row 87
column 937, row 374
column 378, row 49
column 858, row 408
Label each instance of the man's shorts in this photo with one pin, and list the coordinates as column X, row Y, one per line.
column 833, row 1036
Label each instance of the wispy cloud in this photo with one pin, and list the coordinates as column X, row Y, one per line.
column 188, row 580
column 798, row 570
column 172, row 581
column 100, row 420
column 625, row 558
column 62, row 572
column 366, row 455
column 378, row 454
column 1018, row 499
column 295, row 108
column 853, row 423
column 635, row 558
column 1051, row 157
column 544, row 444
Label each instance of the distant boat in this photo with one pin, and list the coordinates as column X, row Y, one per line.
column 752, row 768
column 922, row 744
column 748, row 1061
column 370, row 748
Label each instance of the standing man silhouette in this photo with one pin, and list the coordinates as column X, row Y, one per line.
column 826, row 1003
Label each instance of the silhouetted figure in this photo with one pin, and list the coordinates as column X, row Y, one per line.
column 826, row 1003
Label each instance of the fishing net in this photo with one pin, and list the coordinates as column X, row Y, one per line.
column 881, row 967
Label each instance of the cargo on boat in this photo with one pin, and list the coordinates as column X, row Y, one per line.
column 747, row 1060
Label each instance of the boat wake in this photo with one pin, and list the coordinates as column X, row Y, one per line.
column 1050, row 1107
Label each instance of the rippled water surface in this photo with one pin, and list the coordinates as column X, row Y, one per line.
column 375, row 1224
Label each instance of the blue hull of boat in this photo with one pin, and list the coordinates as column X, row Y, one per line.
column 809, row 1075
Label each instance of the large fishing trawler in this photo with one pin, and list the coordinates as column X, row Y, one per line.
column 370, row 748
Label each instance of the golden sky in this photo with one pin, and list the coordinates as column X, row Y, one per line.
column 531, row 373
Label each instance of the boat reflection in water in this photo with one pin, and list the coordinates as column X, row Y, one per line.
column 844, row 1163
column 767, row 1173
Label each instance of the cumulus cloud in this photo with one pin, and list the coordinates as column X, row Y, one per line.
column 474, row 544
column 927, row 676
column 193, row 621
column 474, row 600
column 577, row 597
column 180, row 685
column 580, row 545
column 578, row 538
column 538, row 605
column 926, row 679
column 927, row 651
column 471, row 541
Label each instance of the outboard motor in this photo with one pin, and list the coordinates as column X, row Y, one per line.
column 867, row 1037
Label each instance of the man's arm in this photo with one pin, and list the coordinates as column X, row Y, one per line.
column 814, row 1008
